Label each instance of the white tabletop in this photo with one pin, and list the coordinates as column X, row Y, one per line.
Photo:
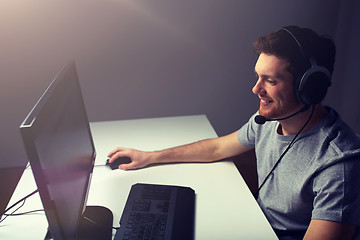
column 225, row 207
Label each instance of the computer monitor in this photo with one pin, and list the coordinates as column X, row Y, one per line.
column 60, row 148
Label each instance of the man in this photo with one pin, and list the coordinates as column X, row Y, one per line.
column 308, row 159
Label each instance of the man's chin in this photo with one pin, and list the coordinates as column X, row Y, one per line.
column 267, row 114
column 276, row 113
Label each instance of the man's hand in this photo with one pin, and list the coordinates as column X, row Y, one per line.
column 139, row 159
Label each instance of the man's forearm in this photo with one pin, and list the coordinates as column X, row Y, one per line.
column 201, row 151
column 208, row 150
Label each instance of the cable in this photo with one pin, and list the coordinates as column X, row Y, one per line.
column 12, row 206
column 23, row 200
column 100, row 165
column 287, row 149
column 6, row 215
column 24, row 213
column 28, row 165
column 98, row 224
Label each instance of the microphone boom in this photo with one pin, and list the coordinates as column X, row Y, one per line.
column 259, row 119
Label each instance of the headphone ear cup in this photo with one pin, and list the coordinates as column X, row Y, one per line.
column 313, row 85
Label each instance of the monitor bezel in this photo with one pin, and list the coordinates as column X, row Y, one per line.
column 68, row 73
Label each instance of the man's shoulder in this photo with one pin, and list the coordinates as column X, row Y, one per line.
column 339, row 135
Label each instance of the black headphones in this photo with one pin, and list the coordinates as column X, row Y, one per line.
column 311, row 85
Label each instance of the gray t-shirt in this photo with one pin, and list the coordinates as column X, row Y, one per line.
column 318, row 178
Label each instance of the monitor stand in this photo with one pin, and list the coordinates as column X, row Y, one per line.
column 96, row 224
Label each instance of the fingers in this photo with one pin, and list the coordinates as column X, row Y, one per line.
column 127, row 166
column 118, row 152
column 132, row 166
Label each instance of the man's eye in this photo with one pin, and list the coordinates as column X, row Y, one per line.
column 271, row 82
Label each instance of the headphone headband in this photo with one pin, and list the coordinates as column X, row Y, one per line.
column 311, row 85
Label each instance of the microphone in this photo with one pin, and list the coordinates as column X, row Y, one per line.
column 259, row 119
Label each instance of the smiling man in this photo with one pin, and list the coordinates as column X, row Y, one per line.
column 308, row 159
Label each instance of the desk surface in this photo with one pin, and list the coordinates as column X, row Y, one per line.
column 225, row 208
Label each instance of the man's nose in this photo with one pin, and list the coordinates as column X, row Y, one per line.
column 258, row 88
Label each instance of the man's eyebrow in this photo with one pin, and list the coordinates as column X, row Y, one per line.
column 279, row 77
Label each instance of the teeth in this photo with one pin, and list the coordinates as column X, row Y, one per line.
column 264, row 101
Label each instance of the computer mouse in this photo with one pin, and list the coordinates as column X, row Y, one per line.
column 115, row 164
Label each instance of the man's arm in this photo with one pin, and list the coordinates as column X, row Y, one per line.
column 327, row 230
column 208, row 150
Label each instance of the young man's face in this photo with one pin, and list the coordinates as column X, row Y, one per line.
column 275, row 87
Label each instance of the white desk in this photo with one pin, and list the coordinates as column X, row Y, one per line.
column 225, row 208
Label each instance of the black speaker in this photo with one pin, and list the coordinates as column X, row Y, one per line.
column 312, row 84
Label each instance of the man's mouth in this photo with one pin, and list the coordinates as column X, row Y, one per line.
column 265, row 102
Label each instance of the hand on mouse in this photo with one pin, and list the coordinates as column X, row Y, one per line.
column 139, row 159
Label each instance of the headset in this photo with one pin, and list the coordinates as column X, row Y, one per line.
column 312, row 85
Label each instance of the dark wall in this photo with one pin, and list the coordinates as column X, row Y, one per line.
column 151, row 58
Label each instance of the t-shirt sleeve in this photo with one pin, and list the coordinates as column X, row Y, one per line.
column 247, row 133
column 337, row 195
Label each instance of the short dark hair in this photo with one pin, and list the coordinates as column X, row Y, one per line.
column 281, row 44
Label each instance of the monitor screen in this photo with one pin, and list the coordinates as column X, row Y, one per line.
column 59, row 145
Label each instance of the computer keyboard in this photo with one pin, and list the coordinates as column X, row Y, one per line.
column 158, row 212
column 146, row 226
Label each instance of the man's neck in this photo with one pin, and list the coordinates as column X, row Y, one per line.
column 293, row 125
